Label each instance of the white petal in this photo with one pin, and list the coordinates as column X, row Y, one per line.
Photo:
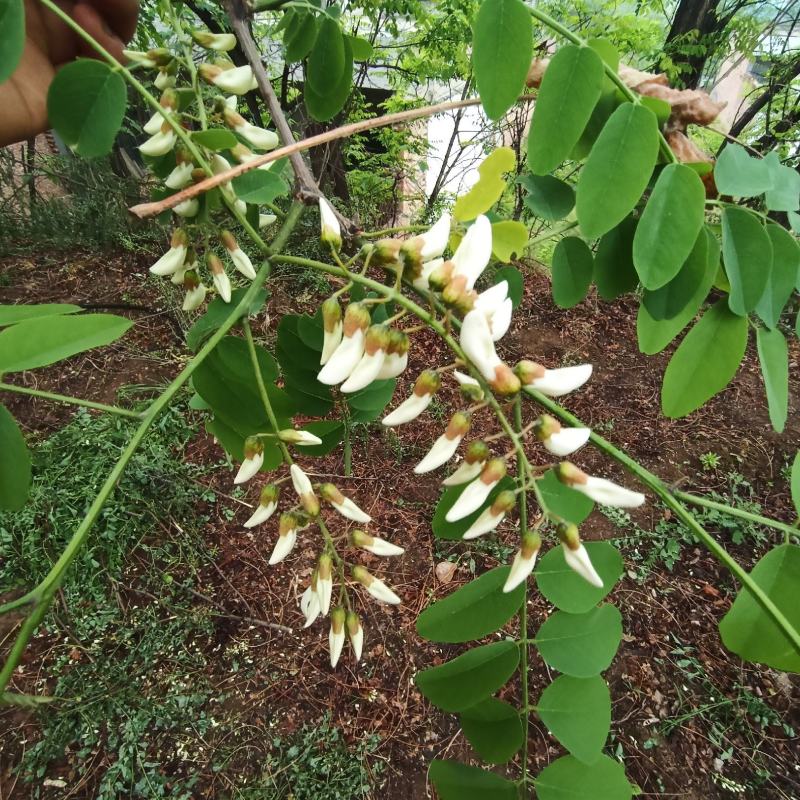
column 409, row 409
column 159, row 144
column 380, row 591
column 485, row 523
column 164, row 80
column 307, row 439
column 501, row 320
column 476, row 341
column 492, row 298
column 365, row 372
column 557, row 382
column 393, row 365
column 238, row 80
column 153, row 125
column 243, row 263
column 309, row 605
column 180, row 176
column 231, row 102
column 381, row 547
column 343, row 360
column 474, row 251
column 170, row 262
column 336, row 643
column 578, row 560
column 283, row 547
column 349, row 509
column 188, row 208
column 609, row 493
column 324, row 592
column 266, row 219
column 520, row 569
column 567, row 441
column 357, row 642
column 435, row 239
column 422, row 282
column 328, row 220
column 330, row 342
column 464, row 474
column 464, row 379
column 442, row 451
column 250, row 466
column 260, row 515
column 223, row 284
column 300, row 481
column 471, row 499
column 259, row 138
column 194, row 298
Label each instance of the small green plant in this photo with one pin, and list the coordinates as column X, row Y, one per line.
column 710, row 461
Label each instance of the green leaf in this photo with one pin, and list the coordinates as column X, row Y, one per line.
column 773, row 354
column 563, row 501
column 572, row 270
column 516, row 283
column 217, row 312
column 740, row 175
column 10, row 315
column 469, row 678
column 577, row 711
column 368, row 404
column 45, row 340
column 782, row 276
column 300, row 36
column 671, row 299
column 300, row 365
column 795, row 483
column 489, row 187
column 566, row 590
column 614, row 272
column 443, row 529
column 12, row 36
column 669, row 225
column 784, row 194
column 581, row 645
column 502, row 34
column 215, row 139
column 654, row 335
column 618, row 169
column 456, row 781
column 570, row 89
column 748, row 631
column 86, row 105
column 547, row 197
column 747, row 252
column 327, row 60
column 509, row 237
column 259, row 186
column 494, row 730
column 568, row 779
column 606, row 50
column 323, row 106
column 15, row 463
column 473, row 611
column 362, row 49
column 705, row 362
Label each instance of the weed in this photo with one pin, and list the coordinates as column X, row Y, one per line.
column 710, row 461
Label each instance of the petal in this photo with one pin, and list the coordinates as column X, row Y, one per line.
column 336, row 643
column 243, row 263
column 330, row 341
column 520, row 569
column 442, row 451
column 578, row 560
column 324, row 592
column 475, row 250
column 170, row 262
column 349, row 509
column 435, row 239
column 357, row 643
column 250, row 466
column 421, row 283
column 485, row 523
column 283, row 547
column 409, row 409
column 465, row 473
column 365, row 372
column 464, row 379
column 471, row 499
column 557, row 382
column 501, row 320
column 609, row 493
column 380, row 547
column 153, row 125
column 476, row 341
column 223, row 285
column 492, row 298
column 180, row 176
column 380, row 591
column 393, row 365
column 194, row 298
column 300, row 481
column 343, row 360
column 312, row 610
column 567, row 441
column 260, row 138
column 260, row 515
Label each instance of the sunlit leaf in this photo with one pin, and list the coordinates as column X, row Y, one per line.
column 509, row 238
column 490, row 185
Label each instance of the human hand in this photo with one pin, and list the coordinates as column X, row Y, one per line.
column 49, row 44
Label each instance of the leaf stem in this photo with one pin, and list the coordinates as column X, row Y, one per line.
column 75, row 401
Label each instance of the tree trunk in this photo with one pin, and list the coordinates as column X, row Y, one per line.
column 693, row 15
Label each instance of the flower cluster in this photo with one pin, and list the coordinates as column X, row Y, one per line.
column 182, row 167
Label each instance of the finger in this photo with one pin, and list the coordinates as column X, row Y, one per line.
column 88, row 18
column 119, row 15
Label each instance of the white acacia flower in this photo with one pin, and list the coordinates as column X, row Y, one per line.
column 221, row 280
column 221, row 42
column 348, row 353
column 396, row 359
column 524, row 561
column 240, row 259
column 576, row 556
column 324, row 582
column 305, row 491
column 260, row 138
column 422, row 282
column 426, row 385
column 267, row 505
column 153, row 125
column 180, row 176
column 558, row 440
column 464, row 379
column 344, row 505
column 236, row 80
column 164, row 79
column 477, row 342
column 473, row 253
column 434, row 240
column 188, row 208
column 174, row 258
column 309, row 602
column 376, row 587
column 331, row 232
column 265, row 220
column 496, row 305
column 475, row 493
column 374, row 545
column 600, row 490
column 299, row 438
column 336, row 636
column 332, row 327
column 253, row 460
column 356, row 633
column 289, row 525
column 376, row 343
column 159, row 143
column 492, row 516
column 553, row 382
column 475, row 457
column 446, row 445
column 195, row 291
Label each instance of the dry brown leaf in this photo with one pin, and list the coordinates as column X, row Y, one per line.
column 445, row 571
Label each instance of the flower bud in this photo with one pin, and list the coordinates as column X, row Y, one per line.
column 260, row 138
column 458, row 296
column 505, row 383
column 221, row 42
column 159, row 143
column 600, row 490
column 396, row 359
column 376, row 587
column 492, row 516
column 240, row 259
column 559, row 441
column 336, row 635
column 356, row 633
column 575, row 554
column 475, row 494
column 374, row 545
column 552, row 382
column 332, row 328
column 324, row 582
column 302, row 485
column 195, row 291
column 221, row 280
column 309, row 601
column 253, row 459
column 344, row 505
column 267, row 505
column 289, row 524
column 426, row 385
column 348, row 353
column 446, row 445
column 175, row 257
column 385, row 252
column 441, row 276
column 236, row 80
column 524, row 561
column 331, row 232
column 299, row 438
column 376, row 342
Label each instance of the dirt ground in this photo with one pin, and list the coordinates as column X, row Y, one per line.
column 672, row 608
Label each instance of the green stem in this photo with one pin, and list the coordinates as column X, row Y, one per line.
column 670, row 500
column 389, row 231
column 732, row 511
column 523, row 614
column 611, row 73
column 75, row 401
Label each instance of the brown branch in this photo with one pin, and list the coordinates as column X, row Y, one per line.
column 144, row 210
